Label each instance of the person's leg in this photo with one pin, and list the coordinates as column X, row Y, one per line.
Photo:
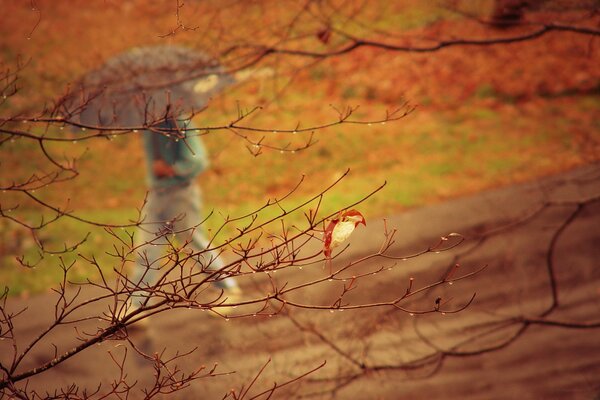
column 210, row 260
column 189, row 205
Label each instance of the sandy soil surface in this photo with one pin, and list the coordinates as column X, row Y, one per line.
column 486, row 351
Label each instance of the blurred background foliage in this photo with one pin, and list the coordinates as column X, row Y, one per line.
column 485, row 117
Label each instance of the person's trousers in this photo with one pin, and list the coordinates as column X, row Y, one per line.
column 170, row 234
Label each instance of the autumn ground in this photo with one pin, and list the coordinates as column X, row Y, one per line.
column 544, row 362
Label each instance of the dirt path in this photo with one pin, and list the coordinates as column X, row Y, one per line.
column 545, row 362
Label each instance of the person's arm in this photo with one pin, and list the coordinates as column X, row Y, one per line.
column 162, row 169
column 192, row 157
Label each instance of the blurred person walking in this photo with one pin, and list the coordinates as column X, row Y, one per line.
column 153, row 87
column 175, row 157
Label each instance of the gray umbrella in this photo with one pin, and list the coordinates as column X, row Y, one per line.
column 145, row 84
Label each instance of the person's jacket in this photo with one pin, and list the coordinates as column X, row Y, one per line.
column 183, row 150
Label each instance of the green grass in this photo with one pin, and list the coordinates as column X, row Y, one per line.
column 45, row 270
column 404, row 17
column 425, row 158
